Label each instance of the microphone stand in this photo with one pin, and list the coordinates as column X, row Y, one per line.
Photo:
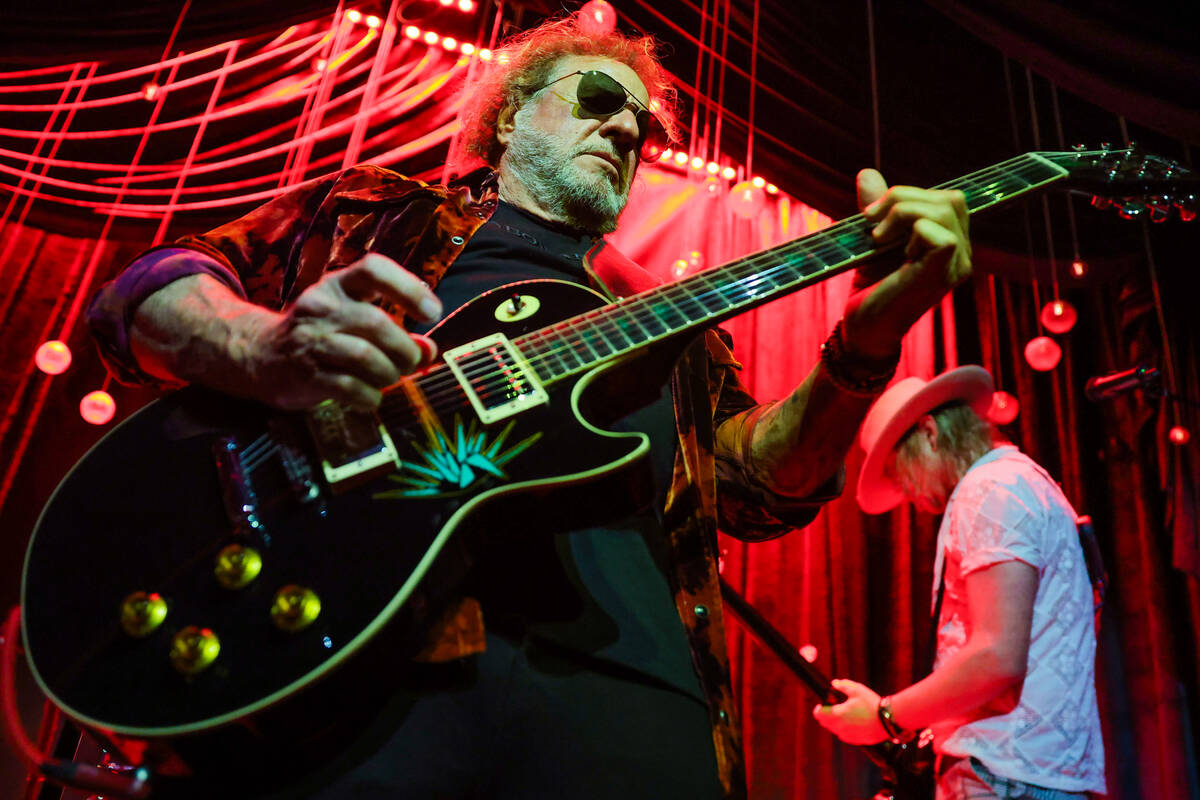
column 906, row 767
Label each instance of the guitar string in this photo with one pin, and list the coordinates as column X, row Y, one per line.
column 683, row 302
column 730, row 292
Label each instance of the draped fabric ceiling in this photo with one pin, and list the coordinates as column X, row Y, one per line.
column 957, row 88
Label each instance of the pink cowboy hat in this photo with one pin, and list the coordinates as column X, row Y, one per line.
column 897, row 410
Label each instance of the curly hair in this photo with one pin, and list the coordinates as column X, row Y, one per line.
column 522, row 65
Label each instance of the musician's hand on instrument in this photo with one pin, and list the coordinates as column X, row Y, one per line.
column 334, row 343
column 937, row 258
column 855, row 721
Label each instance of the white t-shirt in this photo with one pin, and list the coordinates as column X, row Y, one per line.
column 1046, row 731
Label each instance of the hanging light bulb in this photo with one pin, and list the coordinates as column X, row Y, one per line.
column 1004, row 408
column 97, row 407
column 746, row 200
column 1079, row 268
column 597, row 18
column 1042, row 353
column 1059, row 316
column 1179, row 435
column 53, row 357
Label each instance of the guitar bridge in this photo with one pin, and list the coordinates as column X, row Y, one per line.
column 353, row 445
column 496, row 378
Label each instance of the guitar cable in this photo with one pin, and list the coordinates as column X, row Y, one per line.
column 76, row 775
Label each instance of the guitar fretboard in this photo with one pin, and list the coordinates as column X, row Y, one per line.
column 707, row 298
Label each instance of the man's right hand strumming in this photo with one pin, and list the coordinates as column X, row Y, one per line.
column 331, row 343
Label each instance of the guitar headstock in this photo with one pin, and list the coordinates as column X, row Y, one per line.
column 1140, row 185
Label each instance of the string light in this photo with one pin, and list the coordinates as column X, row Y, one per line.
column 374, row 21
column 1059, row 316
column 1042, row 353
column 354, row 15
column 97, row 407
column 53, row 357
column 1004, row 408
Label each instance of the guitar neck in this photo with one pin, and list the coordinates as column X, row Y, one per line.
column 770, row 636
column 708, row 298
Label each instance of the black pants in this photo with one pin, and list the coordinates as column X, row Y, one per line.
column 524, row 721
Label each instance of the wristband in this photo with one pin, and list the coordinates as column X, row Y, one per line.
column 857, row 376
column 895, row 733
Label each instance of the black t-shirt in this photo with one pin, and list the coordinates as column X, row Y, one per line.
column 598, row 592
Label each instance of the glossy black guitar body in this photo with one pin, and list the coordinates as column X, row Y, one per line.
column 146, row 510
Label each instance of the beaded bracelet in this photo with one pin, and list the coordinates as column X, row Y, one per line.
column 856, row 376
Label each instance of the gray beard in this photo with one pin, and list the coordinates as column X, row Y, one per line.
column 547, row 169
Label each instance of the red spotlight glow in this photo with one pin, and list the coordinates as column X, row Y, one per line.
column 1004, row 408
column 1058, row 316
column 1043, row 353
column 598, row 18
column 746, row 200
column 53, row 357
column 97, row 407
column 1179, row 435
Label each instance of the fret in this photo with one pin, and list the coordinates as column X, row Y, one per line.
column 712, row 296
column 709, row 298
column 665, row 309
column 653, row 325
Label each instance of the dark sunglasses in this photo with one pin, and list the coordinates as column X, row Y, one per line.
column 601, row 94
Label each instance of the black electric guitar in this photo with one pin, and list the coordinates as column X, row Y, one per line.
column 214, row 575
column 905, row 767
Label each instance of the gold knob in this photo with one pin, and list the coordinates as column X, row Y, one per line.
column 194, row 649
column 237, row 566
column 142, row 613
column 295, row 608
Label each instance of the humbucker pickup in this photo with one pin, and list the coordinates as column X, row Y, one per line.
column 353, row 445
column 496, row 378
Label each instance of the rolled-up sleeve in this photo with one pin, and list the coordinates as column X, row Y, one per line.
column 110, row 314
column 748, row 508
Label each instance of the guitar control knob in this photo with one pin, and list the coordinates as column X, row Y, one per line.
column 142, row 613
column 295, row 608
column 194, row 649
column 237, row 566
